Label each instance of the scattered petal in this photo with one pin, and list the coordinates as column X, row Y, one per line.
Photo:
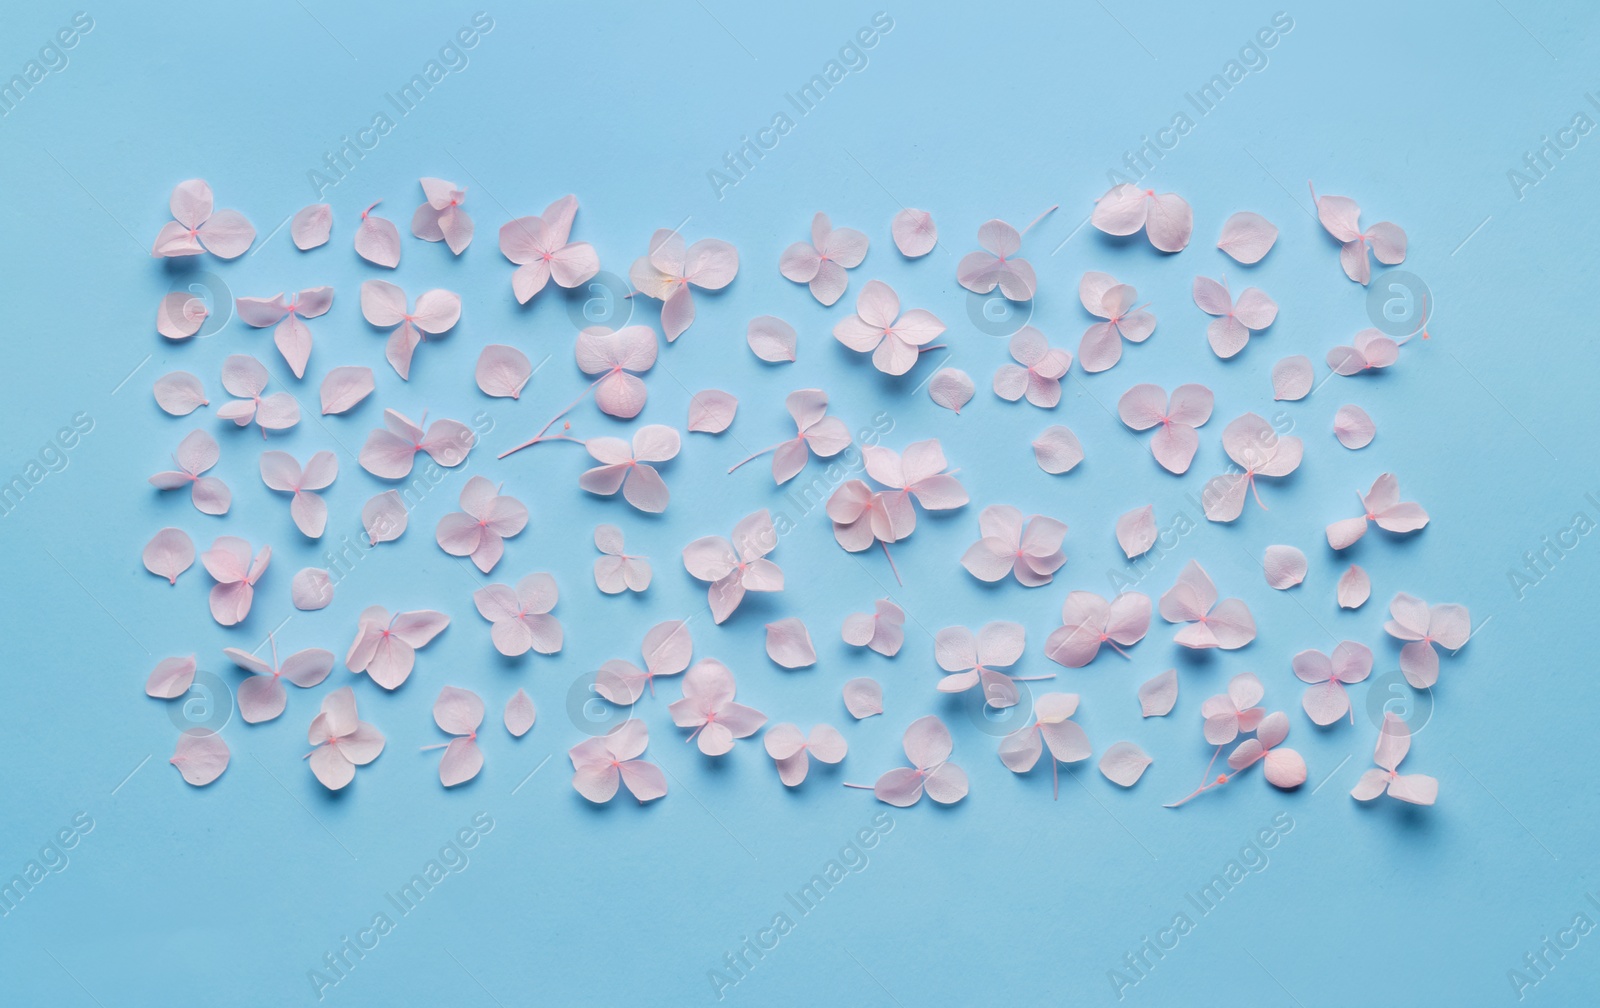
column 1353, row 427
column 378, row 240
column 951, row 388
column 311, row 589
column 1124, row 763
column 1247, row 237
column 863, row 698
column 1136, row 531
column 345, row 387
column 519, row 716
column 1292, row 378
column 169, row 553
column 789, row 644
column 1355, row 587
column 180, row 393
column 914, row 232
column 772, row 339
column 384, row 517
column 1285, row 567
column 1157, row 695
column 711, row 411
column 1057, row 450
column 502, row 371
column 171, row 678
column 311, row 225
column 201, row 755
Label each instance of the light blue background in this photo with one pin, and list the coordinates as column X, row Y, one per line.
column 232, row 893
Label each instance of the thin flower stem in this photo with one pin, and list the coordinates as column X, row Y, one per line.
column 892, row 567
column 541, row 435
column 753, row 457
column 1039, row 218
column 864, row 787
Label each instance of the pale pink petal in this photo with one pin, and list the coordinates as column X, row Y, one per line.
column 1285, row 567
column 171, row 678
column 863, row 698
column 227, row 234
column 1124, row 763
column 1057, row 450
column 646, row 490
column 311, row 589
column 927, row 741
column 310, row 226
column 201, row 756
column 1418, row 789
column 1158, row 695
column 711, row 263
column 458, row 711
column 1388, row 243
column 827, row 744
column 344, row 387
column 461, row 762
column 946, row 785
column 169, row 553
column 1325, row 702
column 1100, row 348
column 191, row 202
column 1372, row 784
column 709, row 558
column 789, row 644
column 1121, row 211
column 1174, row 447
column 1136, row 531
column 711, row 411
column 260, row 698
column 783, row 741
column 1170, row 222
column 951, row 388
column 1020, row 750
column 502, row 371
column 1247, row 237
column 1292, row 378
column 1394, row 741
column 1353, row 427
column 180, row 393
column 1355, row 587
column 378, row 240
column 771, row 339
column 1340, row 215
column 989, row 559
column 419, row 627
column 519, row 714
column 1227, row 337
column 1284, row 769
column 1254, row 309
column 914, row 232
column 900, row 787
column 1211, row 297
column 1231, row 623
column 384, row 517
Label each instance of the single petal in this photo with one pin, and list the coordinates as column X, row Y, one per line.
column 345, row 387
column 171, row 678
column 914, row 232
column 378, row 240
column 771, row 339
column 519, row 714
column 1285, row 566
column 1158, row 695
column 1124, row 763
column 1247, row 237
column 1353, row 427
column 1057, row 450
column 1355, row 587
column 200, row 756
column 951, row 388
column 169, row 553
column 502, row 371
column 1136, row 531
column 310, row 226
column 1292, row 378
column 863, row 698
column 712, row 411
